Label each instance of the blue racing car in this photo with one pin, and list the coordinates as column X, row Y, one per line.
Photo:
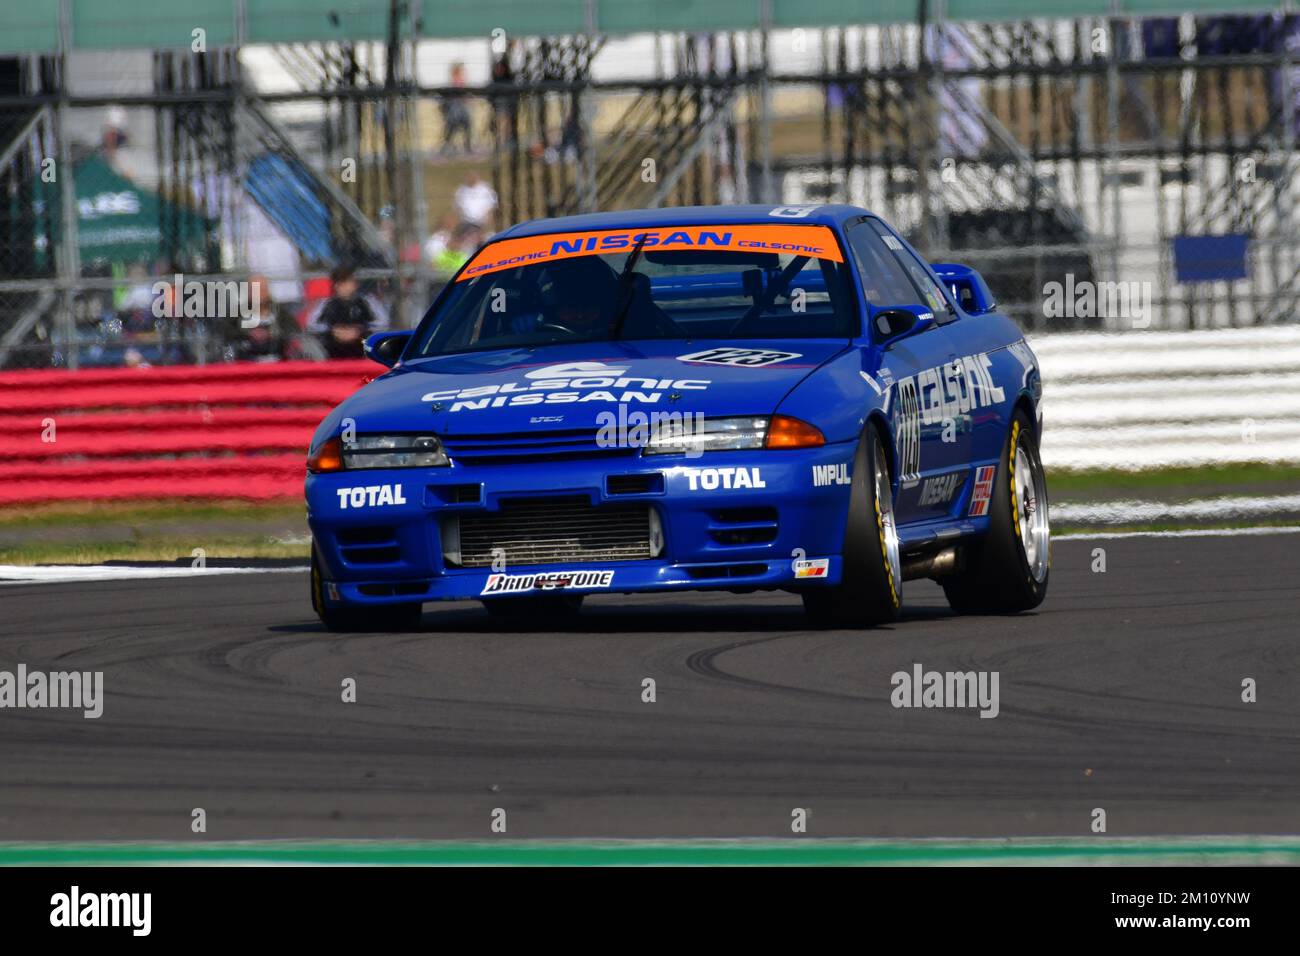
column 731, row 398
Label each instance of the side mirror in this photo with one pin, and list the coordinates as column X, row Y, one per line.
column 901, row 321
column 387, row 347
column 968, row 287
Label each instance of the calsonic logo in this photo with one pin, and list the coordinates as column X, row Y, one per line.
column 370, row 496
column 824, row 475
column 748, row 358
column 940, row 489
column 547, row 581
column 814, row 568
column 576, row 370
column 955, row 388
column 935, row 395
column 564, row 385
column 710, row 479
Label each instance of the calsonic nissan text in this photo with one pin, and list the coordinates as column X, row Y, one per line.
column 731, row 398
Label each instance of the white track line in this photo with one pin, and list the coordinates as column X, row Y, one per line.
column 70, row 573
column 1185, row 533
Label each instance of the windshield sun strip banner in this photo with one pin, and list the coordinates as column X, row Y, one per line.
column 815, row 241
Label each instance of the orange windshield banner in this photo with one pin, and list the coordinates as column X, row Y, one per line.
column 815, row 241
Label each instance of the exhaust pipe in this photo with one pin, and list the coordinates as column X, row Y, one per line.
column 931, row 565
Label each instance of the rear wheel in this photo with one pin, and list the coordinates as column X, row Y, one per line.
column 870, row 588
column 1007, row 570
column 379, row 617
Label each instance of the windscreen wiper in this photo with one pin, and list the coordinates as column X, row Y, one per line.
column 623, row 296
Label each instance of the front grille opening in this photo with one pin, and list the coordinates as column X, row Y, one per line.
column 470, row 494
column 372, row 535
column 567, row 444
column 559, row 530
column 743, row 515
column 721, row 571
column 651, row 484
column 741, row 536
column 389, row 555
column 738, row 527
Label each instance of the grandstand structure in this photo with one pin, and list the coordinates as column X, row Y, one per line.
column 1124, row 143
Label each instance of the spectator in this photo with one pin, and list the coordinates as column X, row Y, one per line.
column 476, row 201
column 272, row 338
column 455, row 113
column 440, row 240
column 505, row 105
column 347, row 317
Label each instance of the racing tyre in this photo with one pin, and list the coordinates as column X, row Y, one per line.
column 537, row 608
column 869, row 591
column 383, row 617
column 1007, row 571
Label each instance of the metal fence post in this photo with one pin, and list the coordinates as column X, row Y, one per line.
column 766, row 189
column 70, row 260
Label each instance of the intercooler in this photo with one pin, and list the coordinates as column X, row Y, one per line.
column 568, row 530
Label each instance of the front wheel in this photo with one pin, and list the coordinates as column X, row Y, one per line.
column 1007, row 570
column 380, row 617
column 869, row 592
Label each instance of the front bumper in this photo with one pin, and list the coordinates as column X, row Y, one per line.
column 378, row 533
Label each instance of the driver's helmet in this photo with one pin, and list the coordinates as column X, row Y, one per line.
column 580, row 292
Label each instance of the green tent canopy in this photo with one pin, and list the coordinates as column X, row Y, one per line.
column 120, row 222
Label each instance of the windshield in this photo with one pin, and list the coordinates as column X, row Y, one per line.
column 711, row 282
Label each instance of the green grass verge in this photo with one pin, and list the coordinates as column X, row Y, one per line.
column 152, row 548
column 1117, row 484
column 98, row 514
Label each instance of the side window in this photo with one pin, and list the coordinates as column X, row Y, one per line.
column 883, row 281
column 931, row 291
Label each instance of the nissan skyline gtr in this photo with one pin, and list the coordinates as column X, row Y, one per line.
column 719, row 398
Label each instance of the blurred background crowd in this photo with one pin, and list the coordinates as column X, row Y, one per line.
column 343, row 164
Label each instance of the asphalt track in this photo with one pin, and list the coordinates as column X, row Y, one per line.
column 1122, row 692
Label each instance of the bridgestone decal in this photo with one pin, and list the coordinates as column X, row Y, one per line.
column 547, row 581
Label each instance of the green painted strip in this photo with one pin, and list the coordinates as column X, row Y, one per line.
column 794, row 852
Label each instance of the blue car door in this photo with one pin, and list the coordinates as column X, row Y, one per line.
column 931, row 449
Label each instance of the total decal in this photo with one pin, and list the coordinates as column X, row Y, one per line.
column 370, row 496
column 711, row 479
column 936, row 394
column 548, row 581
column 567, row 384
column 983, row 493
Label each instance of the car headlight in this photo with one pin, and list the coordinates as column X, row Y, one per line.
column 689, row 437
column 379, row 451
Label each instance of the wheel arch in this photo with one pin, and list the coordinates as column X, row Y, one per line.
column 877, row 417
